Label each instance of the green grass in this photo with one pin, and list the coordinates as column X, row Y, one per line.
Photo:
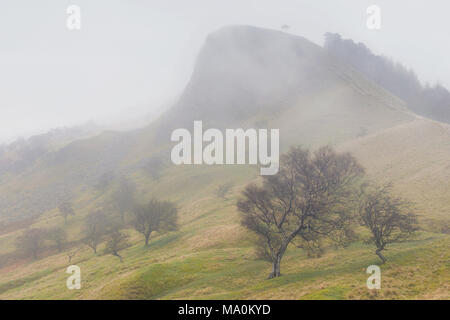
column 211, row 257
column 22, row 281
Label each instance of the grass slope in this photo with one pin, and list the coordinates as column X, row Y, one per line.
column 211, row 257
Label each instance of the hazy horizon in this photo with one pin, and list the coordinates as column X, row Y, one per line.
column 130, row 59
column 250, row 150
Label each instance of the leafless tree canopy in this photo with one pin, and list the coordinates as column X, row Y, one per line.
column 65, row 209
column 157, row 216
column 71, row 254
column 31, row 242
column 123, row 197
column 310, row 197
column 116, row 241
column 223, row 190
column 388, row 218
column 95, row 227
column 58, row 236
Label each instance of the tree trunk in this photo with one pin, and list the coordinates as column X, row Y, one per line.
column 277, row 261
column 118, row 256
column 275, row 268
column 378, row 252
column 147, row 238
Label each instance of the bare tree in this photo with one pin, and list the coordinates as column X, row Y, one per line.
column 123, row 197
column 160, row 216
column 65, row 209
column 223, row 189
column 105, row 180
column 31, row 242
column 285, row 27
column 155, row 166
column 58, row 236
column 116, row 241
column 313, row 245
column 72, row 254
column 310, row 197
column 388, row 218
column 95, row 227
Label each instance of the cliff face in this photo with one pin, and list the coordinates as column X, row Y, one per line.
column 242, row 71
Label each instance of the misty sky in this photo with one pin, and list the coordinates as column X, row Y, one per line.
column 132, row 56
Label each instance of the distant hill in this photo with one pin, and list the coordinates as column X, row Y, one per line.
column 413, row 155
column 16, row 156
column 247, row 75
column 432, row 102
column 243, row 77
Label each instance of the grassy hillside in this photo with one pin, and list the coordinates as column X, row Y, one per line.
column 414, row 156
column 211, row 255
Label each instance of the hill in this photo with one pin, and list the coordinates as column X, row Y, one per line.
column 244, row 77
column 429, row 101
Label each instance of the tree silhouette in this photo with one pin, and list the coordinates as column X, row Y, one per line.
column 160, row 216
column 95, row 227
column 116, row 241
column 31, row 242
column 65, row 209
column 311, row 197
column 388, row 218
